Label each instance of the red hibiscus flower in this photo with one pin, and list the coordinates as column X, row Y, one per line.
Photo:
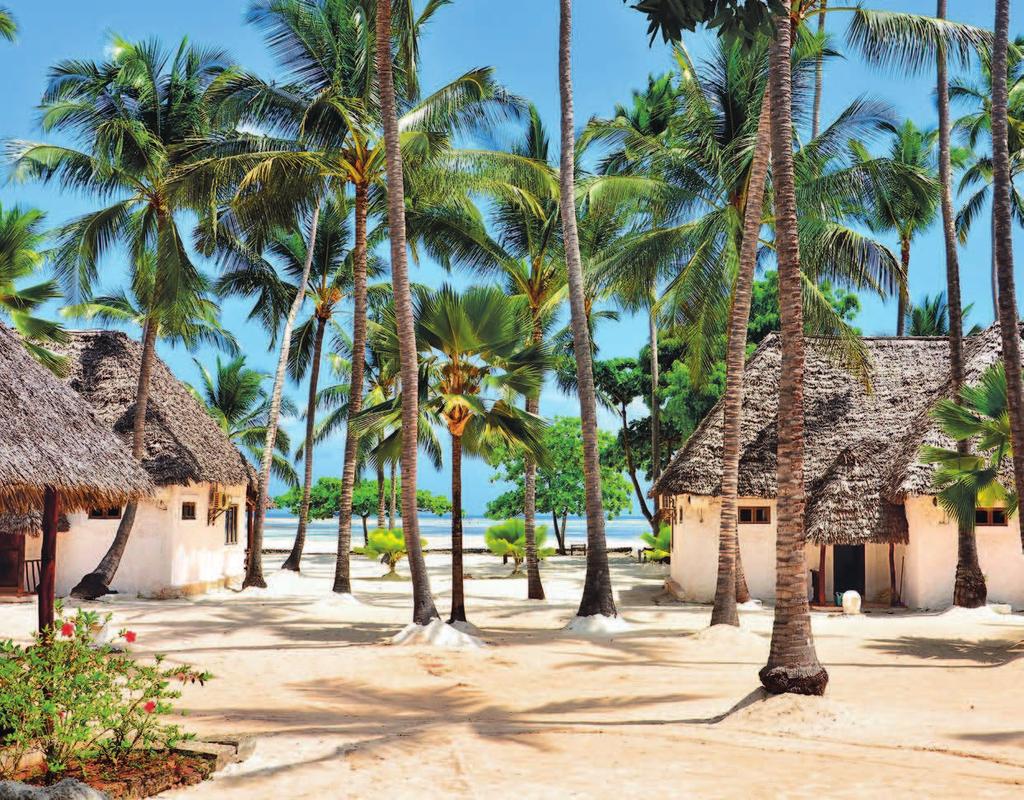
column 150, row 707
column 129, row 636
column 67, row 630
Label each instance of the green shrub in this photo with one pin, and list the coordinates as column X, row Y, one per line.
column 661, row 545
column 387, row 547
column 508, row 538
column 73, row 698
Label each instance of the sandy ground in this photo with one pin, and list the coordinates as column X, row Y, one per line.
column 929, row 705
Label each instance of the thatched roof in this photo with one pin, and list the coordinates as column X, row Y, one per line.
column 28, row 524
column 183, row 443
column 50, row 437
column 861, row 446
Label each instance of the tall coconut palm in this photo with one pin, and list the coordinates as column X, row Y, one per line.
column 128, row 116
column 793, row 664
column 331, row 283
column 235, row 396
column 22, row 256
column 423, row 602
column 907, row 208
column 191, row 320
column 969, row 584
column 1009, row 324
column 597, row 589
column 475, row 363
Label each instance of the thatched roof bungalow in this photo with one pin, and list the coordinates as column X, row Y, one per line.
column 866, row 487
column 53, row 453
column 190, row 535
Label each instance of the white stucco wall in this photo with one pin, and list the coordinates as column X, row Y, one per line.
column 695, row 528
column 931, row 558
column 165, row 553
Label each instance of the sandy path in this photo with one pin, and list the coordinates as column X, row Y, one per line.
column 927, row 704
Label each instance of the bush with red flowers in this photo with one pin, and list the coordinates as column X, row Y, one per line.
column 73, row 698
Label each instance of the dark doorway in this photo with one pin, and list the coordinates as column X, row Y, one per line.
column 12, row 560
column 848, row 568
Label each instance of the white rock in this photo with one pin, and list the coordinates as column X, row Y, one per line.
column 851, row 602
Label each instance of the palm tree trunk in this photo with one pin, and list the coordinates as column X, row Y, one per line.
column 46, row 586
column 381, row 499
column 342, row 571
column 727, row 587
column 597, row 588
column 254, row 565
column 652, row 335
column 393, row 501
column 742, row 592
column 295, row 557
column 534, row 587
column 894, row 597
column 792, row 662
column 819, row 77
column 904, row 296
column 994, row 267
column 1008, row 323
column 458, row 589
column 559, row 532
column 423, row 602
column 627, row 451
column 97, row 583
column 969, row 585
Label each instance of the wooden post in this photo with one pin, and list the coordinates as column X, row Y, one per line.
column 820, row 599
column 48, row 559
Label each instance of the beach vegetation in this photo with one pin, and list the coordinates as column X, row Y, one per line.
column 388, row 547
column 508, row 539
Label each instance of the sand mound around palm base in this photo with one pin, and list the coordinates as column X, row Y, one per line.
column 597, row 625
column 791, row 714
column 728, row 635
column 436, row 634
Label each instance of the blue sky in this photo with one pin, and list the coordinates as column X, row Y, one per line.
column 611, row 57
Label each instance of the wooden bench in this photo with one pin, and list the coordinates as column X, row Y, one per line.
column 577, row 549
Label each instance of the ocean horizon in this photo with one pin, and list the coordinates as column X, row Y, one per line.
column 322, row 534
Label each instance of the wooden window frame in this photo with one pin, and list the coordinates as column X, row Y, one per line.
column 105, row 513
column 989, row 514
column 231, row 535
column 195, row 510
column 753, row 515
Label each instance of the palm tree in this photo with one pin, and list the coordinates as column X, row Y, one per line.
column 908, row 207
column 981, row 416
column 1009, row 324
column 8, row 25
column 234, row 395
column 471, row 344
column 129, row 115
column 423, row 603
column 977, row 95
column 22, row 256
column 969, row 585
column 331, row 282
column 930, row 317
column 192, row 320
column 597, row 589
column 793, row 664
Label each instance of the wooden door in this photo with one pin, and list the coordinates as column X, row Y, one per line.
column 12, row 562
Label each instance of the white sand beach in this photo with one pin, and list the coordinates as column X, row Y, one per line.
column 922, row 705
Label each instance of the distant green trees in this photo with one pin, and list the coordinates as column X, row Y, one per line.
column 560, row 483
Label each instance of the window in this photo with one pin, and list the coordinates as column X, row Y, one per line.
column 114, row 512
column 231, row 525
column 990, row 516
column 755, row 515
column 188, row 510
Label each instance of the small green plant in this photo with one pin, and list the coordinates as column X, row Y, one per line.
column 386, row 546
column 661, row 545
column 73, row 698
column 508, row 538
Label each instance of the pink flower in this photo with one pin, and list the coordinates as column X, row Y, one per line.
column 129, row 636
column 67, row 630
column 150, row 707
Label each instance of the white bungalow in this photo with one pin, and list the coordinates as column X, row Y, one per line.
column 870, row 501
column 191, row 535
